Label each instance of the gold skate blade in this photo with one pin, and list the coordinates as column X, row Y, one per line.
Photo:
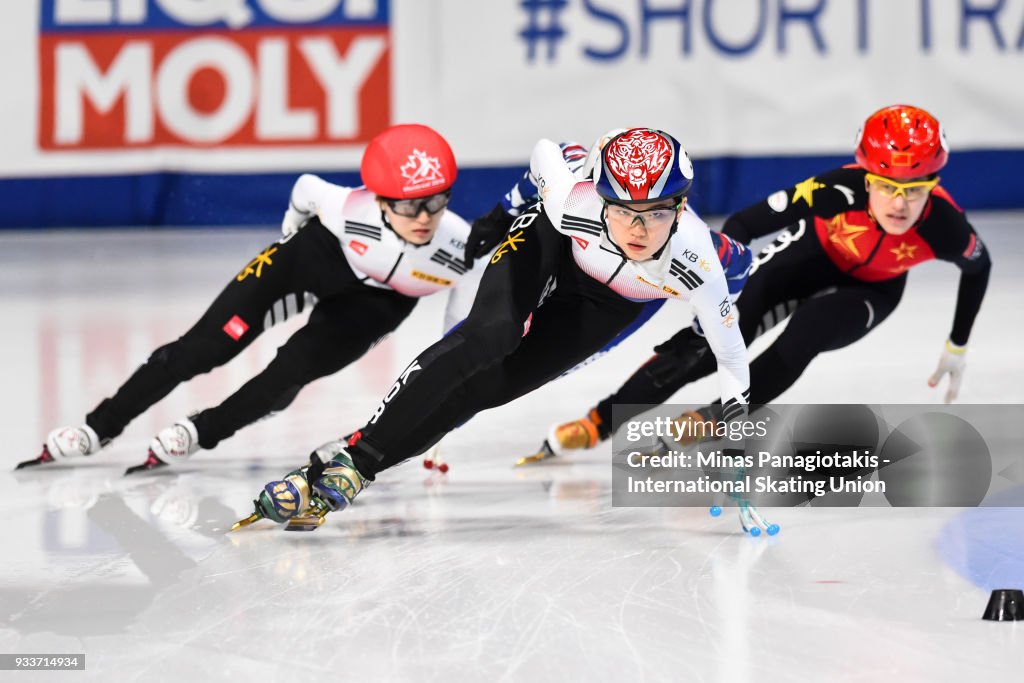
column 545, row 453
column 304, row 523
column 254, row 517
column 529, row 459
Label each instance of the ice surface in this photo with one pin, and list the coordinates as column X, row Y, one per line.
column 490, row 573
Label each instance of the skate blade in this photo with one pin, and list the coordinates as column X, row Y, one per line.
column 152, row 463
column 545, row 453
column 304, row 523
column 43, row 459
column 254, row 517
column 530, row 459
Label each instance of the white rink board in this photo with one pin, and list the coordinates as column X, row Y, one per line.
column 749, row 78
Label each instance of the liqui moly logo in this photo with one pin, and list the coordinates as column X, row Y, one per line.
column 143, row 73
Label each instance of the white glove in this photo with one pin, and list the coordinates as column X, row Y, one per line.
column 952, row 360
column 586, row 172
column 293, row 220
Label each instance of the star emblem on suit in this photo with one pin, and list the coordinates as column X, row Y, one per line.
column 845, row 235
column 805, row 191
column 904, row 251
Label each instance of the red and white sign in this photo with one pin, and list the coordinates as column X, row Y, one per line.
column 136, row 86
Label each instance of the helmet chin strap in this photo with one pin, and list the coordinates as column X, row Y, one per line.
column 657, row 254
column 661, row 249
column 878, row 223
column 608, row 234
column 671, row 231
column 387, row 224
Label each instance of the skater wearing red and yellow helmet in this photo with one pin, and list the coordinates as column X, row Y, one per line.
column 836, row 271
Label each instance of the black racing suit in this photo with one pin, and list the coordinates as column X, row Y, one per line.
column 490, row 360
column 833, row 271
column 347, row 319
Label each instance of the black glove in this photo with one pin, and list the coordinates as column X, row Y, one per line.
column 486, row 233
column 676, row 357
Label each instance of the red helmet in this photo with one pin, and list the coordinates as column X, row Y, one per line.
column 408, row 161
column 901, row 141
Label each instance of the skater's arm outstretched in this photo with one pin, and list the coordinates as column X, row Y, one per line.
column 719, row 320
column 953, row 239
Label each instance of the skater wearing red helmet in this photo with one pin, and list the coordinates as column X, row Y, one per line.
column 836, row 271
column 901, row 142
column 573, row 274
column 359, row 257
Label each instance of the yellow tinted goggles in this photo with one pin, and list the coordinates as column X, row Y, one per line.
column 917, row 189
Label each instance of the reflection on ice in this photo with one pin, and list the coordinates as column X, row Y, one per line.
column 485, row 573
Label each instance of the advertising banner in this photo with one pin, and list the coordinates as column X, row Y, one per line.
column 203, row 111
column 180, row 72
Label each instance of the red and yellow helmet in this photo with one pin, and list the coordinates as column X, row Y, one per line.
column 901, row 141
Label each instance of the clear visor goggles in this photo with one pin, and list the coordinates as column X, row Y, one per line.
column 410, row 208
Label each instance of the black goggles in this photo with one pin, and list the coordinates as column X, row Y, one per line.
column 410, row 208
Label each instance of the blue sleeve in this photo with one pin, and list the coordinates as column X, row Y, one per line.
column 736, row 259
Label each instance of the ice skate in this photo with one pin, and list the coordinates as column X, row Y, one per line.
column 66, row 442
column 302, row 506
column 333, row 490
column 173, row 445
column 570, row 436
column 280, row 500
column 545, row 453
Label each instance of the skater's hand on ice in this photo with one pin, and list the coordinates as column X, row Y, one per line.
column 952, row 361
